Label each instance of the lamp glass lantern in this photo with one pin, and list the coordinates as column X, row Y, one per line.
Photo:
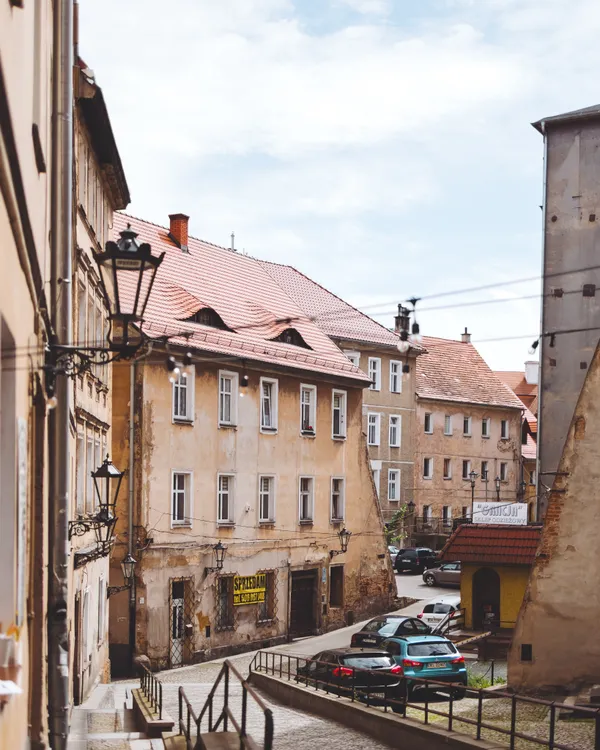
column 220, row 550
column 473, row 476
column 128, row 564
column 411, row 507
column 344, row 536
column 127, row 273
column 107, row 482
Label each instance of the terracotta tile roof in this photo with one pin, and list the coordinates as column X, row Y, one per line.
column 454, row 371
column 517, row 383
column 529, row 450
column 531, row 420
column 333, row 316
column 491, row 544
column 246, row 297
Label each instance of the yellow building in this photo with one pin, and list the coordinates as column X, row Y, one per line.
column 254, row 442
column 496, row 562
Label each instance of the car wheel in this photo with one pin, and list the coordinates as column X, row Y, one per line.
column 430, row 580
column 459, row 694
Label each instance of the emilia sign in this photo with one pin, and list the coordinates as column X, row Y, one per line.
column 508, row 514
column 249, row 589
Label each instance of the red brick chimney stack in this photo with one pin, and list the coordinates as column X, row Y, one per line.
column 178, row 229
column 465, row 337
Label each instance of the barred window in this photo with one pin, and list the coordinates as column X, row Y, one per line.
column 266, row 609
column 225, row 614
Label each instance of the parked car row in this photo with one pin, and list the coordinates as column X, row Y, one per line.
column 390, row 654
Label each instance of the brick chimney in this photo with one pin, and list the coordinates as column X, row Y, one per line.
column 465, row 337
column 178, row 230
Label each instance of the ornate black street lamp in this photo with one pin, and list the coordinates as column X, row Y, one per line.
column 128, row 564
column 344, row 537
column 497, row 481
column 472, row 477
column 219, row 549
column 127, row 273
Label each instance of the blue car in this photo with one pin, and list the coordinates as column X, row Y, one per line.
column 428, row 657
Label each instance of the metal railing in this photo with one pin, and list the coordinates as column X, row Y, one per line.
column 190, row 723
column 397, row 698
column 152, row 689
column 451, row 621
column 424, row 525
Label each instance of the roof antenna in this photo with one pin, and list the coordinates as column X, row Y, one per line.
column 233, row 241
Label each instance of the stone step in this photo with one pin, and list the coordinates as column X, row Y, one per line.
column 220, row 741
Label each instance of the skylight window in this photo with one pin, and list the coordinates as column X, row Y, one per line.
column 291, row 336
column 206, row 316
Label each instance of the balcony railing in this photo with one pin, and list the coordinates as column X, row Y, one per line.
column 423, row 525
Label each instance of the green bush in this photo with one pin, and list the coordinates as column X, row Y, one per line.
column 479, row 681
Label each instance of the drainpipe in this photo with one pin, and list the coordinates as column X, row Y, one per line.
column 541, row 499
column 130, row 511
column 59, row 417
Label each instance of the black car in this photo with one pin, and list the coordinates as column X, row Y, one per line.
column 415, row 559
column 364, row 670
column 377, row 630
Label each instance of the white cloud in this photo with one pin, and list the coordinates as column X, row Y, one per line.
column 367, row 7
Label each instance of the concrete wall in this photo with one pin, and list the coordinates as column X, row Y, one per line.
column 385, row 403
column 571, row 242
column 205, row 449
column 513, row 582
column 456, row 492
column 25, row 62
column 562, row 600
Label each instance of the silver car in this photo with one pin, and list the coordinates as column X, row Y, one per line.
column 393, row 553
column 448, row 574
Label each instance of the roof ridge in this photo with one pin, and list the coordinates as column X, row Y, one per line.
column 333, row 294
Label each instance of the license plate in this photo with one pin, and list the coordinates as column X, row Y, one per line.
column 368, row 640
column 436, row 665
column 378, row 695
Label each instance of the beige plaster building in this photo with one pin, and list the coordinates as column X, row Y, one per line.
column 389, row 402
column 467, row 421
column 257, row 444
column 100, row 188
column 26, row 44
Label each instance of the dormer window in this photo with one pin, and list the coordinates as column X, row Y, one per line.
column 206, row 316
column 291, row 336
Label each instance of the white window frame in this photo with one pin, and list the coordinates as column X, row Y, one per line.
column 341, row 502
column 221, row 520
column 503, row 474
column 449, row 474
column 86, row 645
column 394, row 480
column 377, row 441
column 488, row 427
column 90, row 492
column 446, row 514
column 504, row 433
column 430, row 474
column 274, row 401
column 427, row 513
column 185, row 380
column 354, row 357
column 311, row 498
column 312, row 409
column 234, row 377
column 447, row 424
column 398, row 428
column 270, row 518
column 395, row 373
column 377, row 481
column 375, row 373
column 469, row 431
column 425, row 416
column 483, row 471
column 343, row 414
column 466, row 462
column 101, row 609
column 188, row 494
column 80, row 473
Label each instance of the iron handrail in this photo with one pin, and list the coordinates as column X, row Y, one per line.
column 152, row 689
column 400, row 702
column 225, row 715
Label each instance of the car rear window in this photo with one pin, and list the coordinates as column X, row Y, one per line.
column 374, row 626
column 428, row 608
column 435, row 648
column 442, row 609
column 424, row 553
column 368, row 662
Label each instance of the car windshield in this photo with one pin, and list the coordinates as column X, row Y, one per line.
column 393, row 550
column 375, row 626
column 425, row 553
column 437, row 648
column 368, row 662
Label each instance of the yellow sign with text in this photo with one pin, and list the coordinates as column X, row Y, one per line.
column 249, row 589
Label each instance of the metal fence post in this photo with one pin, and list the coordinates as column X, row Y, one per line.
column 552, row 726
column 226, row 699
column 513, row 721
column 597, row 734
column 493, row 664
column 180, row 707
column 450, row 710
column 479, row 713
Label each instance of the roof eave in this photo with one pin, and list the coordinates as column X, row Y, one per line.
column 470, row 403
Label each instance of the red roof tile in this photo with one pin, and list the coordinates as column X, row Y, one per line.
column 515, row 380
column 529, row 450
column 239, row 289
column 455, row 371
column 489, row 544
column 333, row 316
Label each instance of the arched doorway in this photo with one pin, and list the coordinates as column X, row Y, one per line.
column 486, row 598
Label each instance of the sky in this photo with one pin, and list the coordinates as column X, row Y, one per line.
column 382, row 147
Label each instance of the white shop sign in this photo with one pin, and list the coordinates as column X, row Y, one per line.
column 509, row 514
